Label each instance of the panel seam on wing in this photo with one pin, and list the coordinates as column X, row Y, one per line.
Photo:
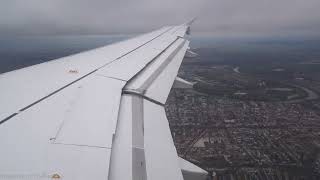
column 81, row 145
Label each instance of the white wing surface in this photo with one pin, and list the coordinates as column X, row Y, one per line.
column 94, row 115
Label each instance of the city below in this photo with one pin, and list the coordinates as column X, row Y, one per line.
column 247, row 117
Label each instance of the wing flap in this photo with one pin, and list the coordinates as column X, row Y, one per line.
column 161, row 86
column 156, row 80
column 143, row 80
column 191, row 171
column 122, row 155
column 161, row 155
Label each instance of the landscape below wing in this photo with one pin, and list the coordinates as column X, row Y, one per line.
column 96, row 115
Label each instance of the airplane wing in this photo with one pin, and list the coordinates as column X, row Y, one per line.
column 95, row 115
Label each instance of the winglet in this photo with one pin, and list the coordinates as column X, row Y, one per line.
column 188, row 24
column 191, row 21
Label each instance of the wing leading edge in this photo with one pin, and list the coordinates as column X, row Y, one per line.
column 95, row 115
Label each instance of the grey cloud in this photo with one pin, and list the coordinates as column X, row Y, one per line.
column 215, row 17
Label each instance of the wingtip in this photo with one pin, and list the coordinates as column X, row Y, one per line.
column 191, row 21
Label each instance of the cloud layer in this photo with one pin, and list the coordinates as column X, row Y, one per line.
column 215, row 17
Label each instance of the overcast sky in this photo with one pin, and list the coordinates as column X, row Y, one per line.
column 215, row 17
